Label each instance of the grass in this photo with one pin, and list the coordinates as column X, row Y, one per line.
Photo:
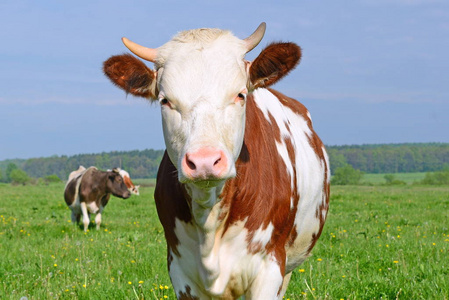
column 378, row 243
column 44, row 256
column 408, row 178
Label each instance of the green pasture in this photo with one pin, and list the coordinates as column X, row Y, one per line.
column 378, row 243
column 408, row 178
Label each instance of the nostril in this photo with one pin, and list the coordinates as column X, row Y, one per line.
column 217, row 161
column 190, row 164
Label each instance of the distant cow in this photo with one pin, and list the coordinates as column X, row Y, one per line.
column 134, row 189
column 88, row 191
column 242, row 191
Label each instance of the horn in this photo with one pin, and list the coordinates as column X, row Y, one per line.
column 141, row 51
column 254, row 39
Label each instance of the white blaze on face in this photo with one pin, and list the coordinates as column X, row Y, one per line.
column 199, row 84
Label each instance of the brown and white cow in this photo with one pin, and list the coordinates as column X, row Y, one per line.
column 88, row 191
column 243, row 188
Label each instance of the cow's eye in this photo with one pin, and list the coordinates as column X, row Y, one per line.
column 163, row 101
column 241, row 96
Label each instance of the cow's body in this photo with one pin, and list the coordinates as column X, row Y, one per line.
column 88, row 191
column 134, row 189
column 242, row 191
column 269, row 216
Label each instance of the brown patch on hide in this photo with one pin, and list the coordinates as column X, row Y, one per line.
column 171, row 201
column 187, row 295
column 261, row 192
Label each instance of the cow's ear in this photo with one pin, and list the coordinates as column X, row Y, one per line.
column 273, row 63
column 131, row 75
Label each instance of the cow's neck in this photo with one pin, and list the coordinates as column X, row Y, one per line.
column 208, row 214
column 204, row 205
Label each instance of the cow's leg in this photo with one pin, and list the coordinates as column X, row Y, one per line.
column 98, row 220
column 285, row 285
column 267, row 284
column 183, row 286
column 86, row 218
column 75, row 218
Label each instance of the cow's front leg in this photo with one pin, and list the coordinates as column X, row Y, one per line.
column 86, row 218
column 268, row 283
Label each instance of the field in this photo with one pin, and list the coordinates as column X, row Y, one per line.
column 408, row 178
column 378, row 243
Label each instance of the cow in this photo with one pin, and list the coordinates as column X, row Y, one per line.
column 134, row 189
column 242, row 190
column 88, row 191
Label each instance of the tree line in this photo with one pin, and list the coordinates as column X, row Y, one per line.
column 140, row 164
column 391, row 158
column 381, row 158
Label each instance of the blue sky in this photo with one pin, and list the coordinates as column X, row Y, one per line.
column 373, row 71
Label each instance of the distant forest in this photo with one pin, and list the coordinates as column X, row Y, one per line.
column 139, row 164
column 380, row 158
column 391, row 158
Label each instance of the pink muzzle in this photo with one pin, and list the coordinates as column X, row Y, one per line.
column 207, row 163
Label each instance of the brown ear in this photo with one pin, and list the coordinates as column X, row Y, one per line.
column 131, row 75
column 273, row 63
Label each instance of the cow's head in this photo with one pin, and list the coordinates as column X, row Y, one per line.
column 201, row 81
column 116, row 185
column 135, row 190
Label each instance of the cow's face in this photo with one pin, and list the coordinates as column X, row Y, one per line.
column 202, row 91
column 201, row 82
column 116, row 185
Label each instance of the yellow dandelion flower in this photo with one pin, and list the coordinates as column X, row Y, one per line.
column 84, row 286
column 161, row 287
column 141, row 282
column 319, row 259
column 301, row 270
column 166, row 287
column 133, row 261
column 129, row 282
column 395, row 261
column 55, row 265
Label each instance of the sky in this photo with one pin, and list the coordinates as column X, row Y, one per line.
column 372, row 71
